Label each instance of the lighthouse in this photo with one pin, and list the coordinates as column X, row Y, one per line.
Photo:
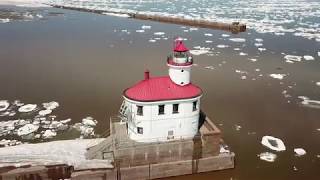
column 164, row 108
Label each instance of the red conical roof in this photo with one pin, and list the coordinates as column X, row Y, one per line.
column 180, row 47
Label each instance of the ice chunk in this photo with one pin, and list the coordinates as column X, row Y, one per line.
column 152, row 40
column 45, row 112
column 291, row 58
column 273, row 143
column 199, row 51
column 253, row 59
column 145, row 27
column 259, row 40
column 309, row 102
column 299, row 151
column 243, row 77
column 224, row 149
column 208, row 34
column 4, row 104
column 237, row 39
column 27, row 129
column 222, row 46
column 140, row 31
column 318, row 83
column 262, row 49
column 308, row 58
column 258, row 44
column 27, row 108
column 6, row 20
column 225, row 35
column 319, row 53
column 89, row 121
column 243, row 54
column 49, row 134
column 267, row 156
column 236, row 49
column 277, row 76
column 159, row 33
column 208, row 41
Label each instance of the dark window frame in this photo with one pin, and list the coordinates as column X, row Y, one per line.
column 139, row 110
column 194, row 105
column 175, row 108
column 161, row 109
column 140, row 130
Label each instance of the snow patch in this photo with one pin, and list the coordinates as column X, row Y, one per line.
column 273, row 143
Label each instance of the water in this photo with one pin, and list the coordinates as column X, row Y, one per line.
column 84, row 61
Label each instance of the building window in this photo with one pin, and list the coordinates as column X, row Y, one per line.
column 182, row 83
column 182, row 70
column 161, row 109
column 175, row 108
column 140, row 130
column 140, row 110
column 194, row 105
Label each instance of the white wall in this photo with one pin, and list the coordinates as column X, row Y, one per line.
column 179, row 77
column 156, row 127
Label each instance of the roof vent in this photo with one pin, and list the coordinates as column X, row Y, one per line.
column 146, row 75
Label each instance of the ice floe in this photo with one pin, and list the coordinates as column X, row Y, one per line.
column 267, row 156
column 198, row 52
column 86, row 128
column 225, row 35
column 45, row 112
column 224, row 149
column 27, row 108
column 222, row 46
column 152, row 40
column 319, row 53
column 259, row 40
column 4, row 104
column 49, row 134
column 273, row 143
column 309, row 102
column 258, row 44
column 277, row 76
column 145, row 27
column 243, row 54
column 208, row 34
column 159, row 33
column 308, row 58
column 292, row 58
column 237, row 39
column 299, row 151
column 27, row 129
column 140, row 31
column 6, row 20
column 318, row 83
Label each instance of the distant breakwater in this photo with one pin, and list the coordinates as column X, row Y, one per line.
column 234, row 27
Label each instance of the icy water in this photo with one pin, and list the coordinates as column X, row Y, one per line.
column 84, row 61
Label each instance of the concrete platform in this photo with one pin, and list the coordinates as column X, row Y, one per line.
column 135, row 160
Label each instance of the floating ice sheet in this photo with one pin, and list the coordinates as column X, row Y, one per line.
column 299, row 151
column 307, row 102
column 277, row 76
column 4, row 104
column 27, row 108
column 267, row 156
column 308, row 58
column 273, row 143
column 27, row 129
column 237, row 39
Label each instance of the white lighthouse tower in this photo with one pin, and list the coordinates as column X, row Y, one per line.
column 167, row 107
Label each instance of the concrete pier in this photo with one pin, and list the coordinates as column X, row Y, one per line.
column 180, row 156
column 234, row 27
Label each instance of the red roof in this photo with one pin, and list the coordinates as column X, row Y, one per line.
column 180, row 47
column 160, row 89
